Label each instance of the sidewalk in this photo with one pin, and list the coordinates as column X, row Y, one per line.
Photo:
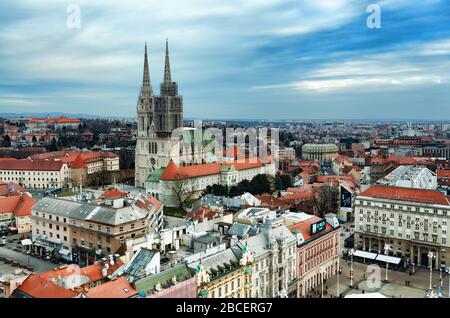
column 396, row 287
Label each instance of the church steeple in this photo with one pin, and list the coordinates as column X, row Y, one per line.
column 146, row 89
column 167, row 76
column 168, row 88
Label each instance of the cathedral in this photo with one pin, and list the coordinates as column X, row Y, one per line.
column 171, row 160
column 157, row 117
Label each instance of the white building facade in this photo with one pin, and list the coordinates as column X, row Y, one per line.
column 412, row 221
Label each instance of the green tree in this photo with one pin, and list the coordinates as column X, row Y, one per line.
column 234, row 191
column 287, row 181
column 260, row 184
column 6, row 141
column 53, row 146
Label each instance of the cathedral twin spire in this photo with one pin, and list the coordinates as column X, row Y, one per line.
column 146, row 89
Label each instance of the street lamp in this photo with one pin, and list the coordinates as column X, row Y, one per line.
column 387, row 249
column 351, row 252
column 430, row 260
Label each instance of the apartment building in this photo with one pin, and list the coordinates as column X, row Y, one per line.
column 35, row 174
column 412, row 221
column 274, row 260
column 221, row 275
column 318, row 247
column 286, row 153
column 84, row 166
column 84, row 232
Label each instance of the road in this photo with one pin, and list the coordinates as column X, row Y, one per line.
column 38, row 265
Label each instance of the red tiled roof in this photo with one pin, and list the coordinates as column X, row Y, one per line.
column 443, row 173
column 119, row 288
column 113, row 193
column 408, row 160
column 25, row 205
column 269, row 201
column 304, row 227
column 94, row 271
column 78, row 163
column 172, row 172
column 19, row 205
column 33, row 165
column 341, row 158
column 60, row 120
column 7, row 189
column 323, row 179
column 66, row 120
column 298, row 196
column 406, row 194
column 9, row 204
column 38, row 287
column 144, row 203
column 202, row 212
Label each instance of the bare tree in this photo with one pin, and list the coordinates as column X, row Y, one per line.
column 184, row 189
column 325, row 200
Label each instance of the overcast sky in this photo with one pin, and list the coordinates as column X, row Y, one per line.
column 271, row 59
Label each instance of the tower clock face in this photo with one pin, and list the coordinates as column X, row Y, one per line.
column 152, row 161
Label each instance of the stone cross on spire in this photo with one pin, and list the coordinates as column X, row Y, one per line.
column 146, row 89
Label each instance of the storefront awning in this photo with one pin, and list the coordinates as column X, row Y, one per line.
column 388, row 259
column 26, row 242
column 364, row 254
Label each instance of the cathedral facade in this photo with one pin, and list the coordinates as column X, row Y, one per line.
column 158, row 116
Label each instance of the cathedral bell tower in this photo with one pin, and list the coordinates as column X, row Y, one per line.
column 157, row 117
column 168, row 105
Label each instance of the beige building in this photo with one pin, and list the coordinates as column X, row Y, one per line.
column 320, row 152
column 83, row 233
column 412, row 221
column 226, row 274
column 274, row 260
column 35, row 174
column 286, row 153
